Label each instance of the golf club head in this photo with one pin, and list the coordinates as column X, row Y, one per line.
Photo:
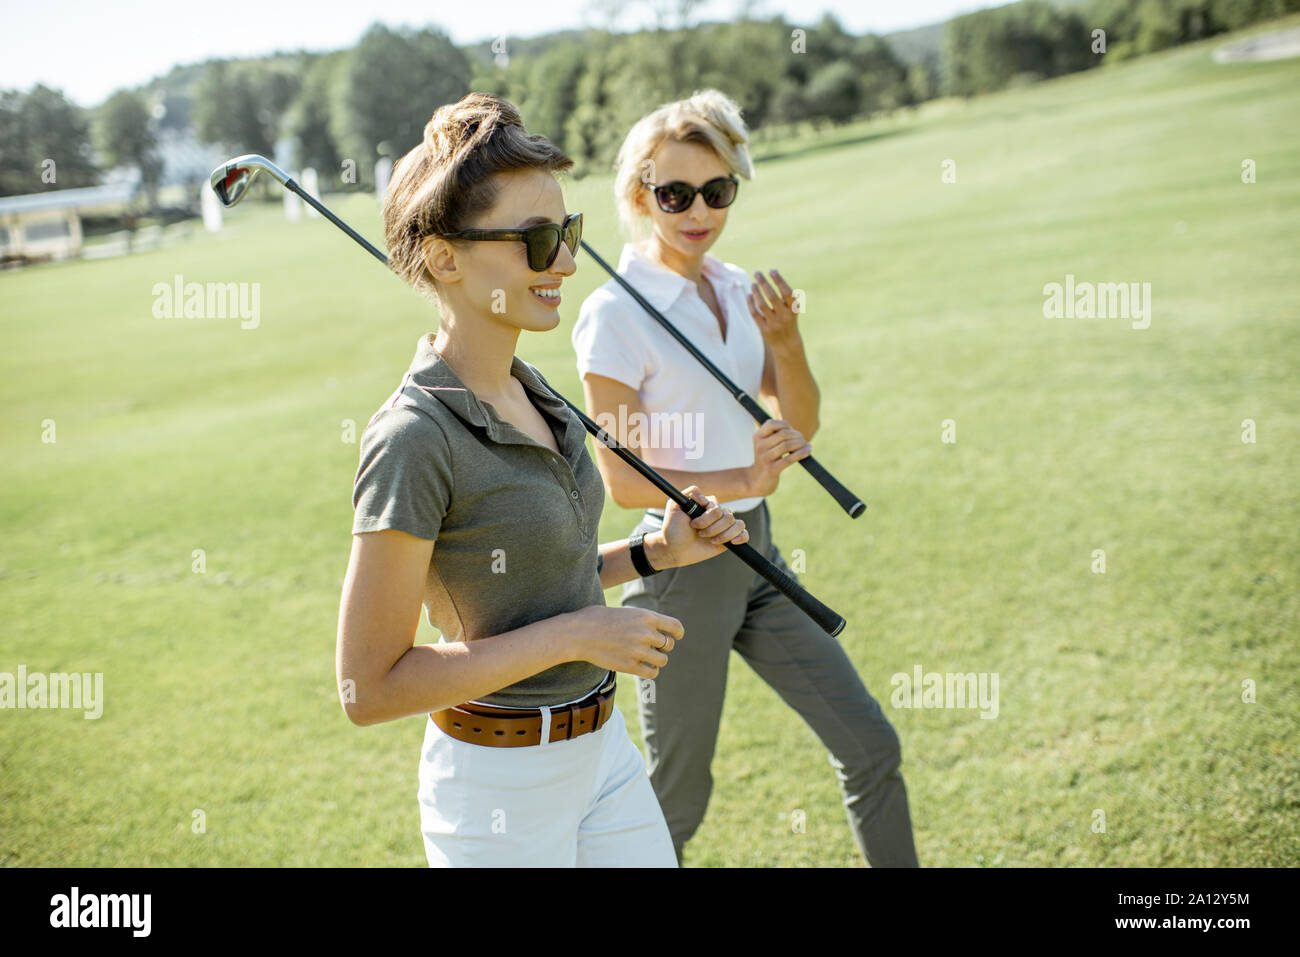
column 230, row 180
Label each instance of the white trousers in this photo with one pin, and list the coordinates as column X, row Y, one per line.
column 586, row 802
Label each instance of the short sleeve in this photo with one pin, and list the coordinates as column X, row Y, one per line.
column 607, row 343
column 404, row 480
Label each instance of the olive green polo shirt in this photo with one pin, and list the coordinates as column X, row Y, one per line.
column 514, row 525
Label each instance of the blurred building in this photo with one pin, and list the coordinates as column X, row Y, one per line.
column 48, row 225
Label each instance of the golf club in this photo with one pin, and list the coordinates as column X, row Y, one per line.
column 230, row 181
column 847, row 500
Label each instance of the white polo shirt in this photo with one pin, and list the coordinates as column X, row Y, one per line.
column 693, row 424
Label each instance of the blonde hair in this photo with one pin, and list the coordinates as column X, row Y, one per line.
column 710, row 118
column 444, row 182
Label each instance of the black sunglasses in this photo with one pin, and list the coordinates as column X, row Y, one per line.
column 543, row 240
column 676, row 197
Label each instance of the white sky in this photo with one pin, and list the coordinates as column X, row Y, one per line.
column 89, row 48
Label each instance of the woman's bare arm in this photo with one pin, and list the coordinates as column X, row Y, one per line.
column 391, row 677
column 627, row 488
column 777, row 447
column 383, row 675
column 787, row 386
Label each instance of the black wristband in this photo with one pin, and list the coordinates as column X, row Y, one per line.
column 636, row 547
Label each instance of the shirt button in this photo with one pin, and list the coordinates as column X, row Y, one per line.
column 574, row 495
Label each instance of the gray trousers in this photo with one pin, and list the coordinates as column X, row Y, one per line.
column 723, row 605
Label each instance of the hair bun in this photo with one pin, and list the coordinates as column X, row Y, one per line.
column 458, row 127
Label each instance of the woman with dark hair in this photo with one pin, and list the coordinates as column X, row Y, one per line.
column 678, row 171
column 475, row 496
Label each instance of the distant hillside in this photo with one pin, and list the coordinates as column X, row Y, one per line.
column 918, row 45
column 923, row 44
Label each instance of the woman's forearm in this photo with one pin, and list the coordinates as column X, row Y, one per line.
column 433, row 677
column 630, row 490
column 797, row 395
column 616, row 559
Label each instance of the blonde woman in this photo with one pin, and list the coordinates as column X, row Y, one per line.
column 678, row 173
column 476, row 497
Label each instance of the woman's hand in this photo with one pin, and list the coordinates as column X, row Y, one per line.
column 635, row 641
column 773, row 309
column 777, row 446
column 686, row 541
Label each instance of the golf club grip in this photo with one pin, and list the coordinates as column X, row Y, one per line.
column 830, row 621
column 848, row 501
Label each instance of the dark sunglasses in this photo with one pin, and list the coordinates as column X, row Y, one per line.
column 676, row 197
column 543, row 240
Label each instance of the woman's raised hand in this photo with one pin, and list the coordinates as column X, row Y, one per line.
column 773, row 308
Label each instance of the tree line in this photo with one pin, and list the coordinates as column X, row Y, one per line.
column 990, row 50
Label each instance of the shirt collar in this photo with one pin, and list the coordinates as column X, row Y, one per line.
column 660, row 285
column 431, row 378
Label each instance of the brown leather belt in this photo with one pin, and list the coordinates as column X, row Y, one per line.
column 520, row 727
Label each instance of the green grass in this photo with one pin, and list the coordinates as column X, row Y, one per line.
column 1119, row 692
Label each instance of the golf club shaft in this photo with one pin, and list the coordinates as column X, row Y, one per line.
column 321, row 208
column 847, row 500
column 827, row 619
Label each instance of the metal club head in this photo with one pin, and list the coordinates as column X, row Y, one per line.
column 230, row 180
